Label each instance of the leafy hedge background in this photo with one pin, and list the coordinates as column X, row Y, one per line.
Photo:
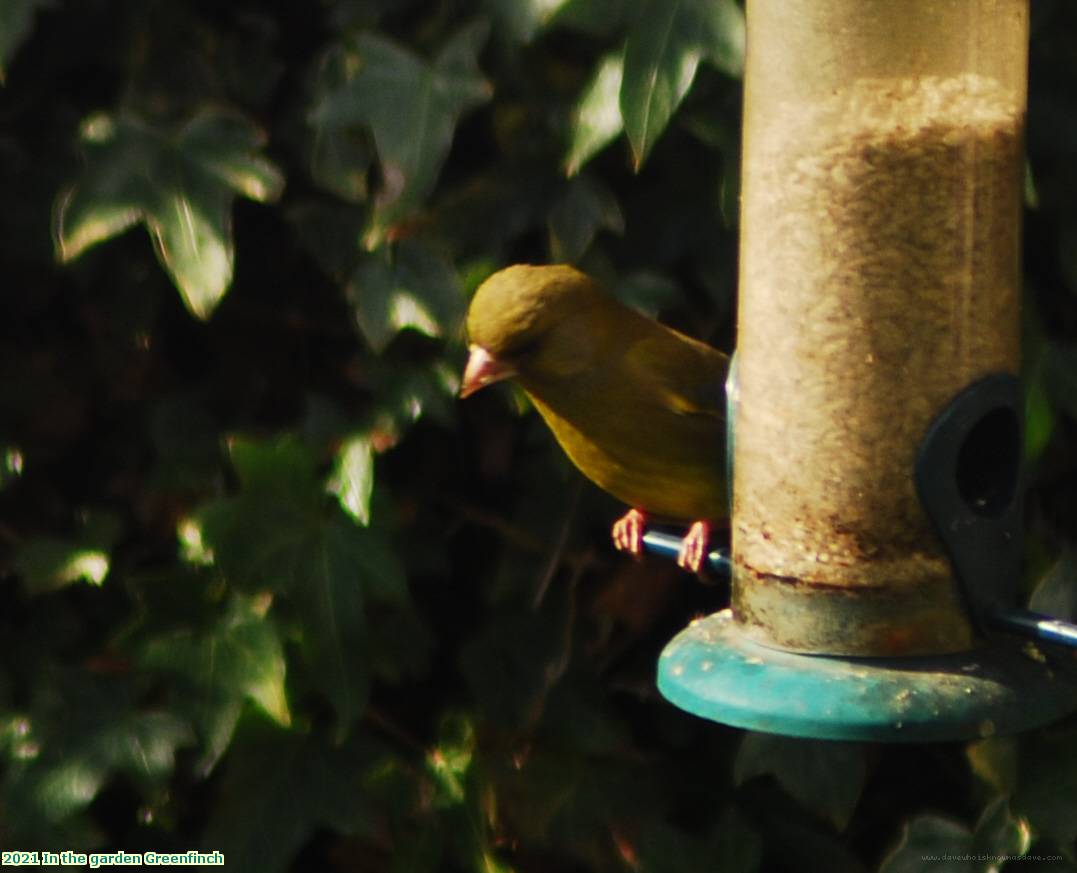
column 267, row 587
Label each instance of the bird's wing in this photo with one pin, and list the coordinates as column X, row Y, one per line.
column 687, row 376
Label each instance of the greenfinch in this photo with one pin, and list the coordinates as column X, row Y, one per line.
column 638, row 407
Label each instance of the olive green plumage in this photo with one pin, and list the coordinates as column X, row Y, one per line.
column 637, row 406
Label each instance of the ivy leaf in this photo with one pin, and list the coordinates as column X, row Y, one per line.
column 215, row 661
column 522, row 19
column 257, row 539
column 278, row 788
column 721, row 27
column 340, row 163
column 48, row 563
column 353, row 477
column 329, row 596
column 648, row 292
column 1047, row 786
column 596, row 120
column 276, row 469
column 826, row 777
column 1000, row 834
column 238, row 657
column 411, row 107
column 279, row 534
column 409, row 392
column 661, row 57
column 599, row 18
column 1056, row 593
column 662, row 53
column 413, row 287
column 925, row 841
column 80, row 732
column 586, row 207
column 179, row 183
column 16, row 22
column 931, row 842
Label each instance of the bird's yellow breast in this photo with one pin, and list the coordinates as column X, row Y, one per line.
column 653, row 458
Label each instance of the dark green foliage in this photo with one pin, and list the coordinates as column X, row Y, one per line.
column 267, row 587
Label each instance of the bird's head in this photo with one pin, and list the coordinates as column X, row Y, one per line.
column 529, row 319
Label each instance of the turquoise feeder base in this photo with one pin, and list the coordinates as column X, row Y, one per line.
column 712, row 670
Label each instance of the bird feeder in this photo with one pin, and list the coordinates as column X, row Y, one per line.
column 876, row 500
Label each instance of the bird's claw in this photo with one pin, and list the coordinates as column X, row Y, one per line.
column 694, row 547
column 628, row 533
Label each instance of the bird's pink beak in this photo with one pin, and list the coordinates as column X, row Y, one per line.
column 482, row 369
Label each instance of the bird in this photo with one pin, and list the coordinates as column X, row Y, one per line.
column 637, row 406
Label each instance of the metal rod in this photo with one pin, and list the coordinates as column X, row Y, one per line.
column 1035, row 625
column 668, row 545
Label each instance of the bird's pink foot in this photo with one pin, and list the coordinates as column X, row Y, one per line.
column 628, row 533
column 694, row 546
